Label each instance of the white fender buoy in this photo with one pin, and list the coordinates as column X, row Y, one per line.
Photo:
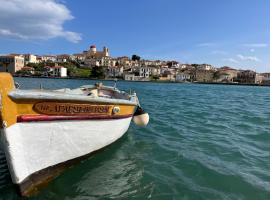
column 140, row 117
column 141, row 120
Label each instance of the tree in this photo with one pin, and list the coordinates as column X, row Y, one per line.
column 38, row 67
column 98, row 72
column 195, row 65
column 216, row 75
column 135, row 57
column 154, row 77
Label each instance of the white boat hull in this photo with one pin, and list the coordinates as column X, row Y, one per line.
column 32, row 147
column 46, row 131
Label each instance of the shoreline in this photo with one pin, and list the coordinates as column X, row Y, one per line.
column 174, row 82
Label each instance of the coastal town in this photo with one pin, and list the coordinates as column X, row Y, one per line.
column 96, row 64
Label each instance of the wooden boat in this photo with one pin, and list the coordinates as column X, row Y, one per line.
column 43, row 131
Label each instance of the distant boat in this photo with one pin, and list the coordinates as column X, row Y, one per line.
column 44, row 131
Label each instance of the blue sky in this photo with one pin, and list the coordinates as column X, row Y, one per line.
column 219, row 32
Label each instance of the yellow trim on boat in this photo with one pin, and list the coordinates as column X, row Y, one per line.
column 10, row 109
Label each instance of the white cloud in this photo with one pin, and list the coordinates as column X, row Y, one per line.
column 256, row 45
column 207, row 44
column 248, row 58
column 219, row 52
column 35, row 19
column 232, row 60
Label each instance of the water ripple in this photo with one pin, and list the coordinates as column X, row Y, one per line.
column 203, row 142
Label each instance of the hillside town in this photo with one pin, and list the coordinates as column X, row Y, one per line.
column 100, row 65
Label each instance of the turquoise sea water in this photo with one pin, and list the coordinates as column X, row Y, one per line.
column 203, row 142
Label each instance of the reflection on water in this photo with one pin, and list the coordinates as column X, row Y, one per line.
column 114, row 172
column 112, row 178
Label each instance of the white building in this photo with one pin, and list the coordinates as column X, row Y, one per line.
column 57, row 71
column 11, row 63
column 182, row 77
column 30, row 58
column 145, row 72
column 130, row 77
column 206, row 67
column 48, row 58
column 115, row 71
column 62, row 58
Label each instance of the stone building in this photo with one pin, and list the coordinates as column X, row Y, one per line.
column 226, row 74
column 204, row 75
column 246, row 77
column 266, row 78
column 97, row 58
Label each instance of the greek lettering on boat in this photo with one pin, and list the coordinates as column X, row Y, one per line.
column 52, row 108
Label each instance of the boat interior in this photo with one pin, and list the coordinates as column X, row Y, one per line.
column 91, row 91
column 96, row 91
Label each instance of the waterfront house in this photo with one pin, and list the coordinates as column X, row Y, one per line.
column 182, row 77
column 226, row 75
column 115, row 71
column 134, row 77
column 259, row 78
column 56, row 71
column 129, row 77
column 144, row 72
column 167, row 76
column 266, row 78
column 246, row 77
column 11, row 63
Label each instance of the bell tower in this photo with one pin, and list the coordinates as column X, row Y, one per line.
column 93, row 49
column 106, row 51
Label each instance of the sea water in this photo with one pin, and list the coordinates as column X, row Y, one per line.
column 202, row 142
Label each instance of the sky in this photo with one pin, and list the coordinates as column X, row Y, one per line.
column 232, row 33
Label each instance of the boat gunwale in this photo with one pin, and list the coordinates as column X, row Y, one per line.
column 48, row 95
